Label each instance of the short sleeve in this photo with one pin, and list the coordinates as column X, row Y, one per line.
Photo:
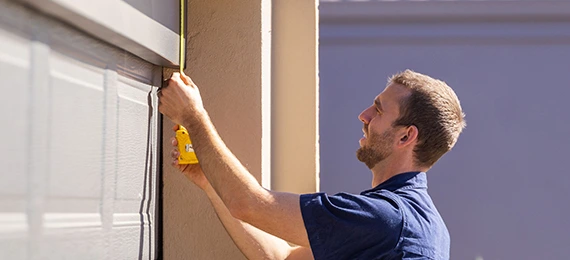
column 347, row 226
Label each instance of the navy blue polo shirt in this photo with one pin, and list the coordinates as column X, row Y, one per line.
column 395, row 220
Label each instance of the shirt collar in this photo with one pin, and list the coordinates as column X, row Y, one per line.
column 416, row 179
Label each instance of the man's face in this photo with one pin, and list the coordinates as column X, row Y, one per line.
column 378, row 142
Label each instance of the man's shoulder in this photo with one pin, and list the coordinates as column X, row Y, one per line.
column 383, row 222
column 351, row 226
column 369, row 206
column 424, row 232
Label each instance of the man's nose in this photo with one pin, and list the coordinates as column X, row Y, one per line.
column 365, row 116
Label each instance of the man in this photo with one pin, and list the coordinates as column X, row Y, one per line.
column 408, row 127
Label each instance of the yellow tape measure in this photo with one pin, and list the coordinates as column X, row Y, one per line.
column 187, row 154
column 182, row 56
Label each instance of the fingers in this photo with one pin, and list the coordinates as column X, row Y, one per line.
column 183, row 78
column 174, row 153
column 174, row 128
column 173, row 80
column 176, row 77
column 180, row 167
column 176, row 81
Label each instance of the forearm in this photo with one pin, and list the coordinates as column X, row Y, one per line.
column 276, row 213
column 228, row 177
column 252, row 242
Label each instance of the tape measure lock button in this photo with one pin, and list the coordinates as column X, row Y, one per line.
column 189, row 148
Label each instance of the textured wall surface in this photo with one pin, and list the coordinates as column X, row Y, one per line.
column 78, row 138
column 224, row 58
column 503, row 190
column 295, row 148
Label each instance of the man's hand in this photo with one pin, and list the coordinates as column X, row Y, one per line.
column 192, row 171
column 180, row 99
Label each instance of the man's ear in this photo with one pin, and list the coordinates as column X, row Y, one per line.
column 408, row 135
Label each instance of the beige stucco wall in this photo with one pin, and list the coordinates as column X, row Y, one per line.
column 224, row 58
column 295, row 121
column 234, row 50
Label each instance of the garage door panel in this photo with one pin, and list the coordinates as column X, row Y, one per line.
column 14, row 69
column 77, row 99
column 15, row 48
column 133, row 196
column 76, row 221
column 72, row 221
column 133, row 122
column 70, row 205
column 137, row 72
column 13, row 236
column 129, row 248
column 77, row 243
column 73, row 102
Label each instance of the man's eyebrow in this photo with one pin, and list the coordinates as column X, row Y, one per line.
column 378, row 104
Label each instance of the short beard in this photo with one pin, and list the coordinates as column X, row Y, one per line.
column 377, row 149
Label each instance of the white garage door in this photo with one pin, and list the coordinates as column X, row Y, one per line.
column 78, row 142
column 504, row 189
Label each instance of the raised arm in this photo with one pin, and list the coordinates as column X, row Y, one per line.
column 252, row 242
column 276, row 213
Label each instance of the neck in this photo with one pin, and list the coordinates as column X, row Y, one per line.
column 391, row 167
